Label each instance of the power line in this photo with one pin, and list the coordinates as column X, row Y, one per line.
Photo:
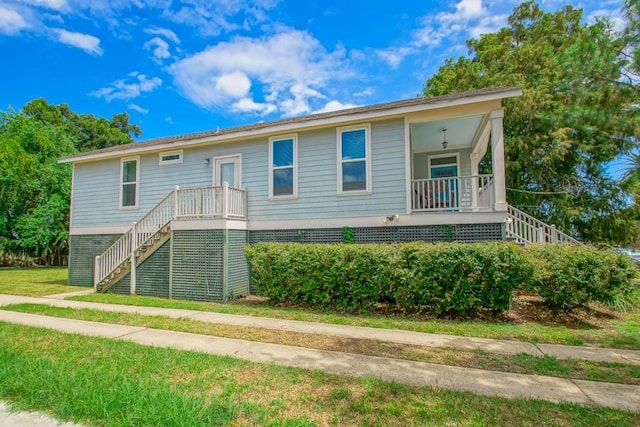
column 537, row 192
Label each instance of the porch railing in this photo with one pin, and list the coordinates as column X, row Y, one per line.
column 454, row 193
column 182, row 203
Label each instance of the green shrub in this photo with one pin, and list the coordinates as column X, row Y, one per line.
column 443, row 278
column 571, row 276
column 461, row 279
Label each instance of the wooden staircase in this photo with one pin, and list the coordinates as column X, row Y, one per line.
column 142, row 253
column 524, row 229
column 154, row 228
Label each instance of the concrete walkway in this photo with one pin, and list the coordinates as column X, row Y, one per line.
column 357, row 332
column 479, row 381
column 10, row 418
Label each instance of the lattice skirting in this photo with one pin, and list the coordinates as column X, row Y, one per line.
column 82, row 251
column 468, row 233
column 199, row 265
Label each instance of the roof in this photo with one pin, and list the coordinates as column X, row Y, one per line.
column 333, row 117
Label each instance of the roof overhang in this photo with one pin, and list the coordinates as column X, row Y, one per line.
column 358, row 114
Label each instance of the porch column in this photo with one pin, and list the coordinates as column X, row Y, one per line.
column 497, row 155
column 475, row 163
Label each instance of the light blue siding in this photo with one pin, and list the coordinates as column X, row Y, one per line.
column 97, row 184
column 420, row 162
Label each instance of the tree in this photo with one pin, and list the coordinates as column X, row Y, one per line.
column 575, row 116
column 632, row 33
column 89, row 132
column 34, row 188
column 34, row 199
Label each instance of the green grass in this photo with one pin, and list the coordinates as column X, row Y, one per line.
column 35, row 282
column 104, row 382
column 623, row 332
column 522, row 363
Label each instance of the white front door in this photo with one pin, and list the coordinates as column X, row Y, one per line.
column 227, row 169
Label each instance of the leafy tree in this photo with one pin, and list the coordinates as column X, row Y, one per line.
column 89, row 132
column 576, row 115
column 632, row 33
column 34, row 201
column 34, row 188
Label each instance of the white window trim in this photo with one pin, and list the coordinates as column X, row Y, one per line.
column 439, row 156
column 369, row 187
column 169, row 153
column 121, row 183
column 294, row 137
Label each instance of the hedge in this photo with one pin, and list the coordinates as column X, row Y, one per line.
column 443, row 278
column 572, row 276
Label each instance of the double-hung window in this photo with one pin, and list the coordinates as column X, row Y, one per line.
column 283, row 167
column 129, row 179
column 354, row 159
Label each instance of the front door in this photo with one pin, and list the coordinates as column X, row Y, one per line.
column 227, row 169
column 444, row 184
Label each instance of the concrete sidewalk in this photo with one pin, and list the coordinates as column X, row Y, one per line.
column 355, row 332
column 478, row 381
column 10, row 418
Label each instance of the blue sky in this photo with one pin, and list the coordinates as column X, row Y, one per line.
column 186, row 66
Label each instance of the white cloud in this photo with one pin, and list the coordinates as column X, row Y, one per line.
column 394, row 55
column 235, row 84
column 334, row 106
column 159, row 47
column 290, row 68
column 212, row 17
column 488, row 24
column 49, row 4
column 11, row 22
column 86, row 42
column 132, row 87
column 470, row 17
column 248, row 105
column 167, row 34
column 137, row 108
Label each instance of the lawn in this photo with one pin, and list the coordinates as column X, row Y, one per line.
column 521, row 363
column 35, row 282
column 527, row 321
column 112, row 383
column 598, row 327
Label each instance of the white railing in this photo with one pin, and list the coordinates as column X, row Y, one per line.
column 527, row 229
column 225, row 202
column 487, row 193
column 454, row 193
column 215, row 202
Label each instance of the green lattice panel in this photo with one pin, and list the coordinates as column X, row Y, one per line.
column 197, row 265
column 82, row 251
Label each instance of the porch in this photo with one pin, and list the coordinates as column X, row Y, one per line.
column 456, row 162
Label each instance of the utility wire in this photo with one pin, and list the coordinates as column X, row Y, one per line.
column 536, row 192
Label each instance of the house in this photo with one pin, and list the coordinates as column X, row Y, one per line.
column 170, row 217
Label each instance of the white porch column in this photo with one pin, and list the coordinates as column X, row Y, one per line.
column 475, row 163
column 497, row 156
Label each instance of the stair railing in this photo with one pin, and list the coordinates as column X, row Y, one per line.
column 224, row 202
column 527, row 229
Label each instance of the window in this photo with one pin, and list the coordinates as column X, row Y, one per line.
column 169, row 157
column 354, row 165
column 130, row 175
column 283, row 167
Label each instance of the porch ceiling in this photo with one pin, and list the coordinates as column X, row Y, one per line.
column 461, row 132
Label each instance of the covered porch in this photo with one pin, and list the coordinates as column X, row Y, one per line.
column 457, row 161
